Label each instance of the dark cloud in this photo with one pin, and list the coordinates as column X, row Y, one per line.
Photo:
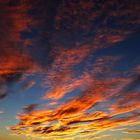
column 30, row 108
column 134, row 84
column 28, row 84
column 3, row 95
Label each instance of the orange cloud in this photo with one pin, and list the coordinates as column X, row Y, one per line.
column 62, row 89
column 15, row 60
column 92, row 110
column 125, row 106
column 72, row 118
column 132, row 131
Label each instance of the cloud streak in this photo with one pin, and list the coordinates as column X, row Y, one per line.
column 65, row 43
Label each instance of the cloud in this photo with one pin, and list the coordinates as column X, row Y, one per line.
column 74, row 116
column 30, row 108
column 130, row 139
column 62, row 89
column 72, row 113
column 126, row 103
column 15, row 59
column 132, row 131
column 29, row 84
column 3, row 91
column 1, row 112
column 70, row 63
column 99, row 137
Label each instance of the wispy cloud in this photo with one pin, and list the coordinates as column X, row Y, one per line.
column 72, row 35
column 132, row 131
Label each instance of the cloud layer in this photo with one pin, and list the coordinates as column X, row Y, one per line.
column 60, row 42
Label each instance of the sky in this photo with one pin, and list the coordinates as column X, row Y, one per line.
column 69, row 69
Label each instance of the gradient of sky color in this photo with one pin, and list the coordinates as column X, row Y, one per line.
column 69, row 69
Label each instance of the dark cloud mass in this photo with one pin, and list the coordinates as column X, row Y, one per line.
column 29, row 108
column 62, row 54
column 15, row 60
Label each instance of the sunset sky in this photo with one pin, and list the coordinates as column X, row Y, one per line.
column 69, row 69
